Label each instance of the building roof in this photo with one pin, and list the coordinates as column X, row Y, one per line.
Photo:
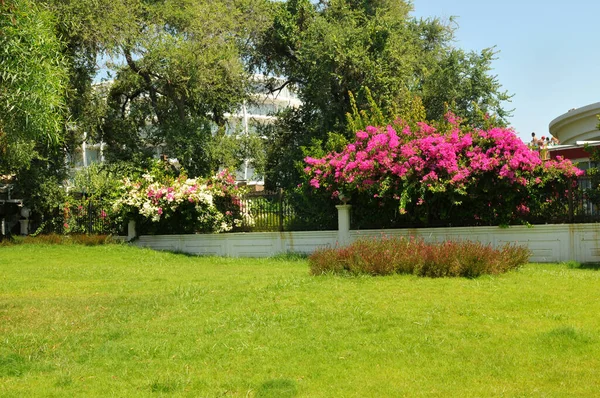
column 578, row 124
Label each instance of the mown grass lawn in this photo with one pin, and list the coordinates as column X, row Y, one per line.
column 121, row 321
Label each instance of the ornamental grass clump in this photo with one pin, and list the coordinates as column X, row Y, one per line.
column 388, row 256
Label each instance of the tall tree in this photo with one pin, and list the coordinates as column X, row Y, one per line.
column 331, row 48
column 32, row 84
column 179, row 69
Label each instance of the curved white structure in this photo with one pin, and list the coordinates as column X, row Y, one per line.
column 579, row 124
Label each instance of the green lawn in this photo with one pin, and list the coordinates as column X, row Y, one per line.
column 121, row 321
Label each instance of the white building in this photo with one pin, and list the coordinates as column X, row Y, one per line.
column 576, row 129
column 259, row 110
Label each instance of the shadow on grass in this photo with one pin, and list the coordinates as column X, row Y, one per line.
column 185, row 254
column 13, row 365
column 287, row 256
column 277, row 388
column 290, row 256
column 590, row 266
column 594, row 266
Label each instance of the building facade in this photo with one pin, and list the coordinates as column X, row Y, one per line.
column 577, row 130
column 259, row 110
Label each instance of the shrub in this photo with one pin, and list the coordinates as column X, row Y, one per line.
column 387, row 256
column 168, row 204
column 447, row 172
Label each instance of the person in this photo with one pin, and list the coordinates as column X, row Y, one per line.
column 555, row 141
column 543, row 144
column 534, row 141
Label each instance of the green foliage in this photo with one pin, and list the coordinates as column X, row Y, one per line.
column 312, row 211
column 15, row 154
column 100, row 180
column 464, row 81
column 32, row 83
column 593, row 192
column 42, row 187
column 387, row 256
column 90, row 194
column 231, row 151
column 332, row 50
column 179, row 68
column 410, row 113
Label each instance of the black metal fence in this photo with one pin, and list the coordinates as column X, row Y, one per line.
column 294, row 211
column 578, row 205
column 583, row 207
column 284, row 211
column 90, row 216
column 264, row 211
column 83, row 215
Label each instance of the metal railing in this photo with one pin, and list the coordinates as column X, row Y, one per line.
column 575, row 206
column 278, row 211
column 90, row 217
column 583, row 207
column 282, row 211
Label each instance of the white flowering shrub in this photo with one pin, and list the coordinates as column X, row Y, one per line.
column 164, row 204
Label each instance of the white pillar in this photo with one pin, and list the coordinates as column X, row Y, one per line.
column 24, row 227
column 245, row 115
column 131, row 230
column 101, row 152
column 343, row 224
column 84, row 150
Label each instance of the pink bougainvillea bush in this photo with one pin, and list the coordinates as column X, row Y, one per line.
column 164, row 204
column 488, row 177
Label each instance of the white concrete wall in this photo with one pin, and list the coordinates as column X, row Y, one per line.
column 254, row 244
column 548, row 243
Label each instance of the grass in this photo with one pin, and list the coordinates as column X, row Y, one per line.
column 115, row 320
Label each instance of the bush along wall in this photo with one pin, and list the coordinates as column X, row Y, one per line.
column 388, row 256
column 446, row 172
column 164, row 204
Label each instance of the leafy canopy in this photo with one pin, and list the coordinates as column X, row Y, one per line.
column 32, row 83
column 331, row 49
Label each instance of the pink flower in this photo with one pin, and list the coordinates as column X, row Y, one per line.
column 522, row 209
column 362, row 135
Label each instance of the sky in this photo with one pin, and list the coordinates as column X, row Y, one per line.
column 548, row 52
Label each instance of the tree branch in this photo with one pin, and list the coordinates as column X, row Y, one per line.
column 147, row 78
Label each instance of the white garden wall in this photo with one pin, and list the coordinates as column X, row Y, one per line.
column 252, row 244
column 548, row 243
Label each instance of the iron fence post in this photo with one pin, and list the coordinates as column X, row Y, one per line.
column 281, row 209
column 571, row 204
column 89, row 211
